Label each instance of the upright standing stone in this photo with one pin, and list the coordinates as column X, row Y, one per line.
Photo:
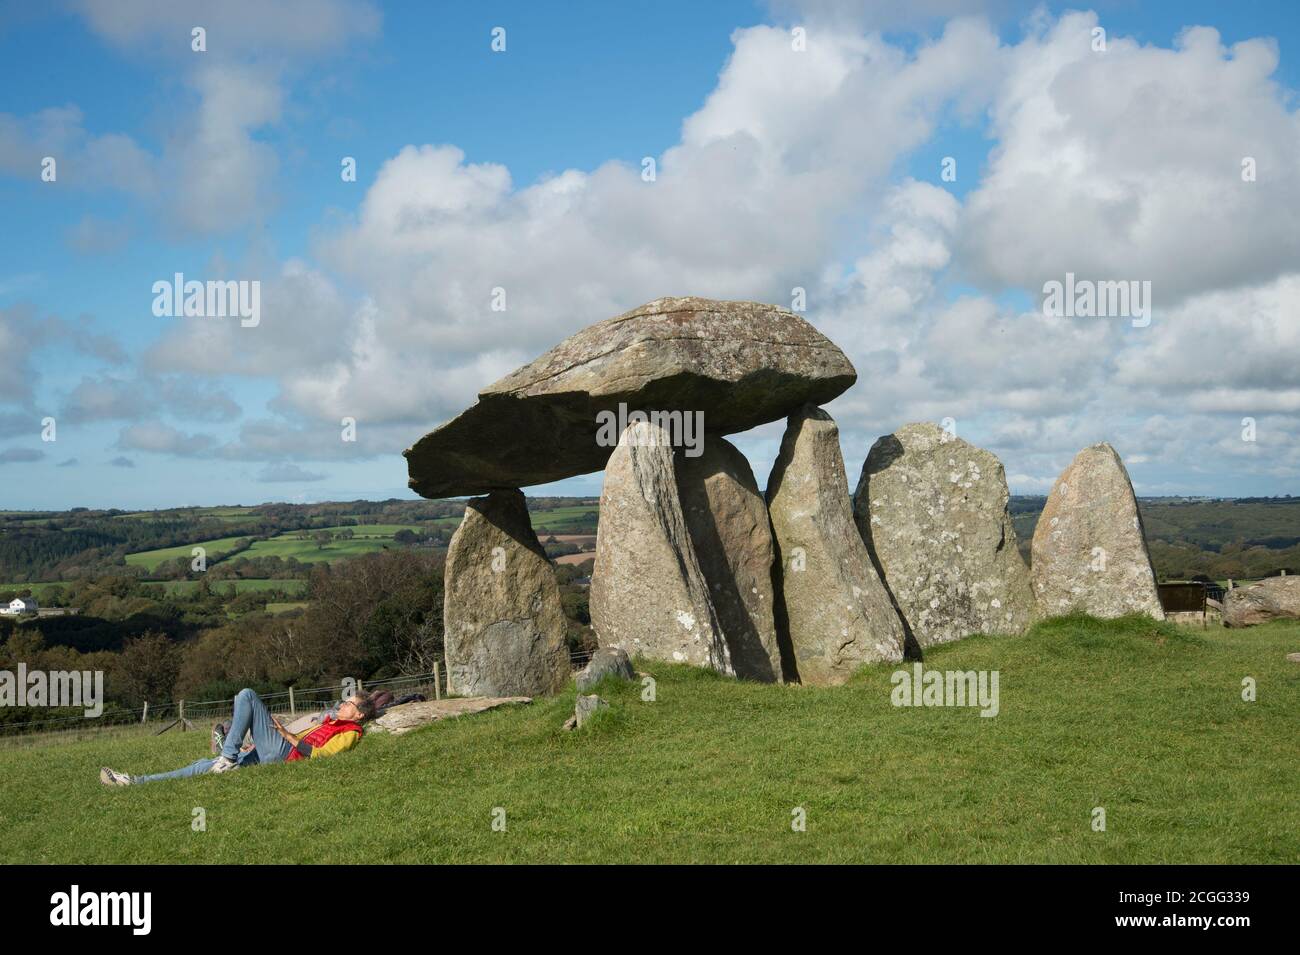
column 729, row 528
column 932, row 510
column 837, row 611
column 648, row 595
column 504, row 626
column 1089, row 551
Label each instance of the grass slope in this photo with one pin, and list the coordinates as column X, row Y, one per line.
column 1144, row 720
column 288, row 585
column 150, row 559
column 309, row 552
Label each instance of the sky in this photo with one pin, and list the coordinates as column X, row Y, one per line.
column 922, row 170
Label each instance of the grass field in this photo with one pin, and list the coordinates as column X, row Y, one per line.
column 563, row 516
column 372, row 530
column 38, row 590
column 149, row 559
column 1144, row 720
column 219, row 513
column 308, row 551
column 274, row 608
column 288, row 585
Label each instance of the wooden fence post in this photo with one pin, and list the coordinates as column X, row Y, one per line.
column 145, row 715
column 292, row 709
column 437, row 682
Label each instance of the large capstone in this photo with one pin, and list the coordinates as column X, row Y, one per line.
column 727, row 521
column 1089, row 552
column 837, row 611
column 740, row 364
column 932, row 510
column 504, row 626
column 1275, row 598
column 648, row 595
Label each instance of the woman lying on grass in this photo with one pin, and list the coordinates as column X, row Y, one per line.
column 272, row 743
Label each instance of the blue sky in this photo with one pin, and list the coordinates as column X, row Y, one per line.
column 225, row 164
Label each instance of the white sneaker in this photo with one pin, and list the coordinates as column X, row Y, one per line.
column 223, row 764
column 110, row 777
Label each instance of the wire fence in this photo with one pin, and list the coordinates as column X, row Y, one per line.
column 187, row 715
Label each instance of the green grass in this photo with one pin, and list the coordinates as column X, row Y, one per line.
column 38, row 590
column 150, row 559
column 369, row 530
column 308, row 551
column 219, row 513
column 1142, row 719
column 274, row 608
column 288, row 585
column 561, row 516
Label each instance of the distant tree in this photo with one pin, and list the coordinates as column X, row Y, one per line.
column 380, row 612
column 147, row 669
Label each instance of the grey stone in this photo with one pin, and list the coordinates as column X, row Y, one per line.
column 586, row 707
column 932, row 510
column 1274, row 598
column 729, row 528
column 648, row 595
column 836, row 609
column 741, row 363
column 1089, row 551
column 402, row 719
column 606, row 661
column 504, row 626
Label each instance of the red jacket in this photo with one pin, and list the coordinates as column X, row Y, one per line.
column 324, row 733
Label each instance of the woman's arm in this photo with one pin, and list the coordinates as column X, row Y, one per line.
column 284, row 733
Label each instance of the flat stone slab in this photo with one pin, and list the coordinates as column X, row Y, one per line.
column 741, row 364
column 402, row 719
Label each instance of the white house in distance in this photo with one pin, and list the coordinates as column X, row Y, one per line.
column 20, row 605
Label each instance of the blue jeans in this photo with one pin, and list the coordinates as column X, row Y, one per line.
column 251, row 716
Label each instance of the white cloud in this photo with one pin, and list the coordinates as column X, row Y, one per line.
column 288, row 474
column 157, row 437
column 295, row 28
column 95, row 236
column 83, row 160
column 1126, row 164
column 887, row 14
column 1223, row 351
column 24, row 333
column 20, row 455
column 118, row 398
column 749, row 204
column 219, row 177
column 1123, row 164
